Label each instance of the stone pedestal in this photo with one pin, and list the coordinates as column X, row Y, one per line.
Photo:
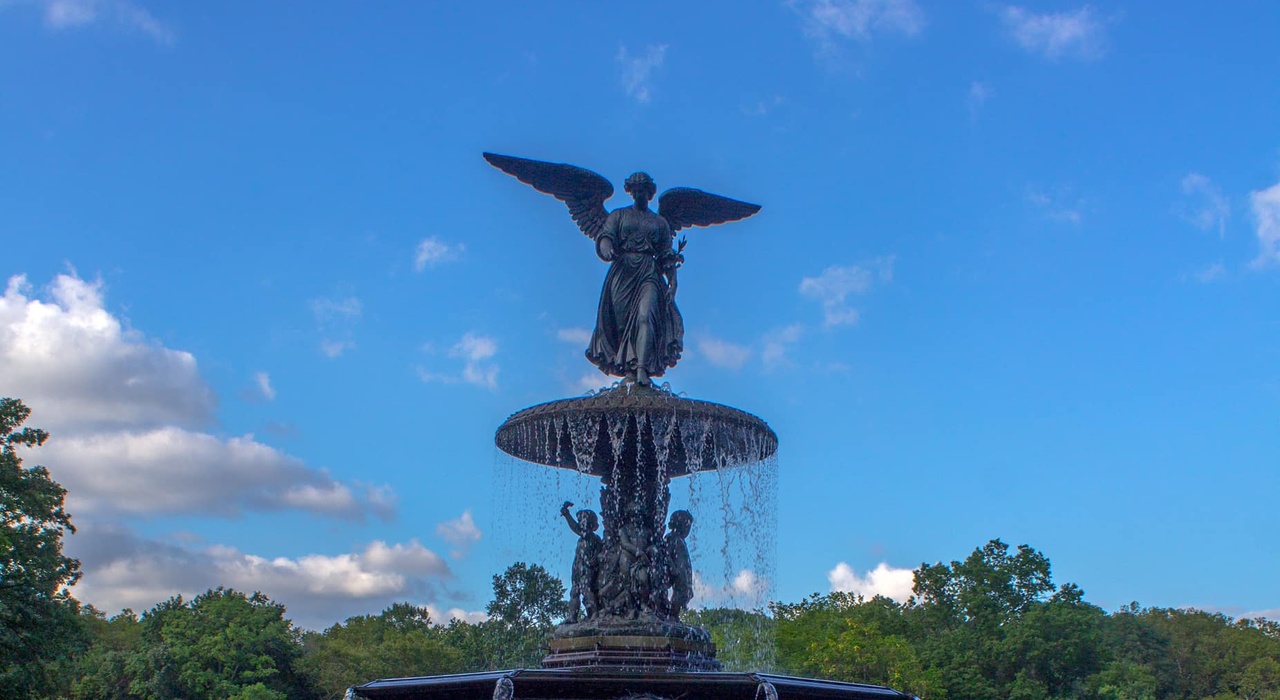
column 632, row 653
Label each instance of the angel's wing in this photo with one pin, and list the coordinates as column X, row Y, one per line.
column 582, row 190
column 685, row 206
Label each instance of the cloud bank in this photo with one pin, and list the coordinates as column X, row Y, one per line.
column 836, row 284
column 123, row 570
column 883, row 580
column 1077, row 34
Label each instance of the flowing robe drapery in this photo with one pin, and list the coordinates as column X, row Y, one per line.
column 635, row 308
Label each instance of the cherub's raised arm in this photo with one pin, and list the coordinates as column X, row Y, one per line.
column 573, row 524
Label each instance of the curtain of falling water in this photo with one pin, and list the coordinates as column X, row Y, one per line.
column 734, row 552
column 527, row 523
column 733, row 544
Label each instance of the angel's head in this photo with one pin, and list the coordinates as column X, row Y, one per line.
column 640, row 184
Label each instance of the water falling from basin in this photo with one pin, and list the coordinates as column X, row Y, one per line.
column 635, row 582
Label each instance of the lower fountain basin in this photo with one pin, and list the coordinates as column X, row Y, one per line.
column 585, row 433
column 584, row 684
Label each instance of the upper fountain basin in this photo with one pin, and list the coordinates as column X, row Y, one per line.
column 588, row 433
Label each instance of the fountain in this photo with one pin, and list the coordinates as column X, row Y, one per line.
column 624, row 637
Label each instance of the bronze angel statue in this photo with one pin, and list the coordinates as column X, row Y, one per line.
column 639, row 331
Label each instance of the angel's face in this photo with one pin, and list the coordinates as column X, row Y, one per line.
column 643, row 194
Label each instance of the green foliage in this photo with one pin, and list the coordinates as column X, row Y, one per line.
column 222, row 644
column 39, row 630
column 1122, row 680
column 1209, row 655
column 987, row 589
column 527, row 603
column 526, row 596
column 842, row 636
column 104, row 670
column 744, row 639
column 401, row 641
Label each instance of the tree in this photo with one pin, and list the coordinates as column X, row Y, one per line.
column 990, row 587
column 222, row 644
column 527, row 597
column 527, row 602
column 401, row 641
column 843, row 636
column 744, row 639
column 38, row 617
column 103, row 672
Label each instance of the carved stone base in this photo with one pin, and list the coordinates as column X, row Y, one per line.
column 641, row 653
column 645, row 625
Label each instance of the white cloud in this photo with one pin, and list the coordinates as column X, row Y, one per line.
column 777, row 343
column 171, row 470
column 432, row 251
column 124, row 570
column 68, row 351
column 71, row 14
column 461, row 532
column 637, row 71
column 260, row 389
column 746, row 590
column 475, row 351
column 263, row 381
column 328, row 310
column 442, row 617
column 577, row 336
column 1210, row 273
column 1075, row 34
column 883, row 580
column 1271, row 614
column 1055, row 207
column 1266, row 212
column 836, row 283
column 978, row 94
column 123, row 411
column 722, row 353
column 589, row 382
column 336, row 318
column 335, row 348
column 762, row 107
column 826, row 21
column 1211, row 209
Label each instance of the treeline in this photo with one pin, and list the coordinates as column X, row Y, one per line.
column 994, row 626
column 984, row 628
column 226, row 644
column 991, row 626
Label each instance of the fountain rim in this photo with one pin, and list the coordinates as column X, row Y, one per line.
column 638, row 402
column 745, row 682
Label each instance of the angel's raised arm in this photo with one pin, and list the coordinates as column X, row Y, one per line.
column 583, row 191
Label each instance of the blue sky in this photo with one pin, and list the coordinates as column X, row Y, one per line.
column 1015, row 276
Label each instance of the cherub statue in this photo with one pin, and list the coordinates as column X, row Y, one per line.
column 639, row 331
column 583, row 591
column 675, row 554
